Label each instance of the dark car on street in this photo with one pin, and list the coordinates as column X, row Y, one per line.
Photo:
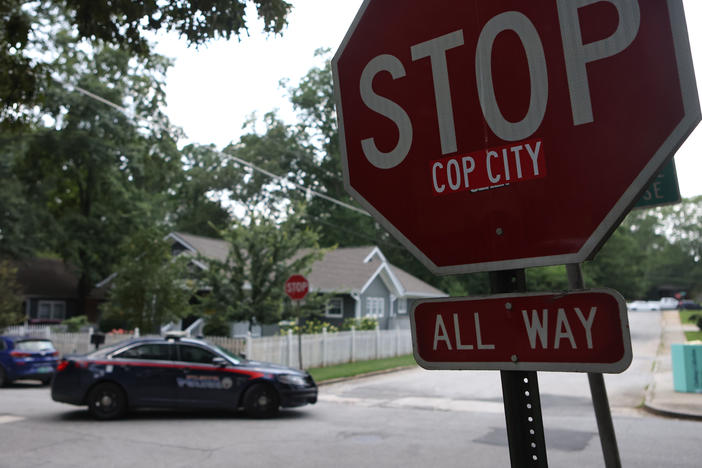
column 24, row 357
column 689, row 305
column 175, row 372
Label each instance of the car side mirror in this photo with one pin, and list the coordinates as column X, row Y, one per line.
column 219, row 361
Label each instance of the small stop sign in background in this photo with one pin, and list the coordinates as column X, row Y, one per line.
column 296, row 287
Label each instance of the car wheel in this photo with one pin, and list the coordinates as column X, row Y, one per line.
column 46, row 381
column 261, row 401
column 107, row 401
column 3, row 377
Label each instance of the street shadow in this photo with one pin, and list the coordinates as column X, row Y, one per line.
column 566, row 440
column 24, row 384
column 184, row 415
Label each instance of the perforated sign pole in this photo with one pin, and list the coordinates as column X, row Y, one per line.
column 520, row 393
column 600, row 401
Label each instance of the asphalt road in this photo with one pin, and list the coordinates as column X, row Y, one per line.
column 413, row 418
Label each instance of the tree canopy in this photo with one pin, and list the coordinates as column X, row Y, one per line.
column 652, row 248
column 10, row 295
column 263, row 253
column 28, row 30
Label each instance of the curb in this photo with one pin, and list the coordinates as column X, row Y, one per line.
column 650, row 393
column 363, row 376
column 670, row 413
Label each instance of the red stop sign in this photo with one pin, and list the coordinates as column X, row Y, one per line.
column 296, row 287
column 490, row 135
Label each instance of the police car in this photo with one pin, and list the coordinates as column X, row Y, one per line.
column 175, row 372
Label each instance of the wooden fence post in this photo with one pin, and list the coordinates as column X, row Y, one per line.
column 290, row 348
column 249, row 345
column 377, row 341
column 353, row 343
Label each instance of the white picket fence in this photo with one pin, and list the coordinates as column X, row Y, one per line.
column 318, row 350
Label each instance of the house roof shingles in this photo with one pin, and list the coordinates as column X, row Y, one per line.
column 45, row 277
column 215, row 249
column 346, row 269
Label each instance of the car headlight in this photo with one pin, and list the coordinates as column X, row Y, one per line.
column 292, row 379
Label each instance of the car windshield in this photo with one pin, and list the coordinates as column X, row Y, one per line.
column 34, row 346
column 238, row 359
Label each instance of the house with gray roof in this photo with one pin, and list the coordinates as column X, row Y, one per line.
column 363, row 283
column 50, row 291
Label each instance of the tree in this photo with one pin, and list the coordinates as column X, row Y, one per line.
column 10, row 296
column 550, row 278
column 308, row 154
column 679, row 260
column 263, row 253
column 26, row 36
column 195, row 210
column 150, row 286
column 22, row 217
column 93, row 169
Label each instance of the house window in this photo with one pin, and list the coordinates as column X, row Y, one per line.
column 375, row 307
column 52, row 310
column 401, row 306
column 335, row 308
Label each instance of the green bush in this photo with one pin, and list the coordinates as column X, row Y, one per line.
column 311, row 327
column 216, row 325
column 112, row 320
column 74, row 324
column 365, row 323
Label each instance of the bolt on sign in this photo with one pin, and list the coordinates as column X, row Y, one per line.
column 583, row 331
column 493, row 135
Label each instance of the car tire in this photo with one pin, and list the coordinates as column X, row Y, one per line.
column 107, row 401
column 3, row 377
column 261, row 401
column 46, row 381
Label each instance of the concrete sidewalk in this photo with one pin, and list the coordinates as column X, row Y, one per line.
column 660, row 397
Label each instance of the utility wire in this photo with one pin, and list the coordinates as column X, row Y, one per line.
column 296, row 185
column 281, row 179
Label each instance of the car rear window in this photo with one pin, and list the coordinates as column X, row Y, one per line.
column 34, row 346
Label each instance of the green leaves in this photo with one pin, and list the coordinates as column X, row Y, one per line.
column 263, row 253
column 30, row 31
column 150, row 287
column 10, row 295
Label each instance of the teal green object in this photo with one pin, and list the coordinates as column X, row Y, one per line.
column 664, row 189
column 687, row 367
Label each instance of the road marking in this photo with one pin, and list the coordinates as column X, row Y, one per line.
column 445, row 404
column 427, row 403
column 4, row 419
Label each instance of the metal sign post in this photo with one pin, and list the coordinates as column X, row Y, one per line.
column 297, row 287
column 520, row 392
column 603, row 415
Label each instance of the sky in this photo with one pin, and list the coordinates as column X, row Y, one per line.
column 212, row 91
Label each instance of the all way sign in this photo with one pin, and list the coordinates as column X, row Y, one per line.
column 584, row 331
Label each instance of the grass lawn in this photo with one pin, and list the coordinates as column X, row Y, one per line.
column 351, row 369
column 685, row 318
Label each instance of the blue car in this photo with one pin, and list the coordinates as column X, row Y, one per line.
column 176, row 372
column 23, row 357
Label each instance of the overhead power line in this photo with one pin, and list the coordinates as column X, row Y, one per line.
column 281, row 179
